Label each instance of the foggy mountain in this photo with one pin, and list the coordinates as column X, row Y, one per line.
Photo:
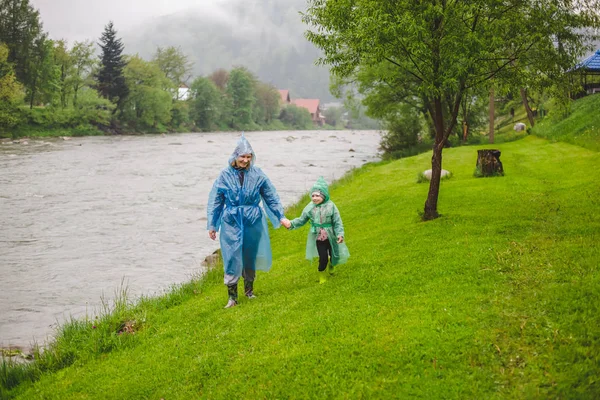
column 266, row 36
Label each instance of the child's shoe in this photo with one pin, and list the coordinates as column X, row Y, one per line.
column 331, row 269
column 322, row 276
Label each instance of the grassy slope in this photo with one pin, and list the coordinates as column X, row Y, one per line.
column 582, row 127
column 497, row 299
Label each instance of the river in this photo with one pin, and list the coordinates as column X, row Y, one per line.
column 81, row 216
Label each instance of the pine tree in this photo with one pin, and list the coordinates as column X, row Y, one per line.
column 111, row 82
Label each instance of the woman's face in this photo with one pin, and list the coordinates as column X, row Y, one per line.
column 244, row 160
column 317, row 199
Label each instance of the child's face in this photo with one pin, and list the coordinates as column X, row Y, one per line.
column 243, row 160
column 316, row 198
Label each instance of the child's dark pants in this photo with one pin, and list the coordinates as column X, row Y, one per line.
column 324, row 250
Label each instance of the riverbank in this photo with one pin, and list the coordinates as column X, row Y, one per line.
column 80, row 215
column 497, row 299
column 35, row 131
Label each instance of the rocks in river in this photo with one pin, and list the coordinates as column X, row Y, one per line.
column 213, row 259
column 352, row 151
column 291, row 138
column 65, row 138
column 279, row 165
column 174, row 144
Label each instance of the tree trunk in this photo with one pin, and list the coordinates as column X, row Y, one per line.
column 430, row 211
column 76, row 89
column 492, row 114
column 527, row 108
column 434, row 185
column 488, row 162
column 32, row 98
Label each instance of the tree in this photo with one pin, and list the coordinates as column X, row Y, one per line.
column 175, row 65
column 207, row 104
column 64, row 63
column 11, row 92
column 267, row 103
column 20, row 26
column 333, row 116
column 443, row 48
column 82, row 56
column 110, row 80
column 240, row 89
column 147, row 103
column 220, row 78
column 44, row 75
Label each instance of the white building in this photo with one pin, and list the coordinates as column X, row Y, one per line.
column 183, row 93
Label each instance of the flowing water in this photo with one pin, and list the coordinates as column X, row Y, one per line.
column 79, row 217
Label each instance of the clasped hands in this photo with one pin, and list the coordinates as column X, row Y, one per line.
column 284, row 221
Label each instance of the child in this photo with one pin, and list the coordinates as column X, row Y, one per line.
column 326, row 235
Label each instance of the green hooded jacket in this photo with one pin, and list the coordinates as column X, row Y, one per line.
column 326, row 216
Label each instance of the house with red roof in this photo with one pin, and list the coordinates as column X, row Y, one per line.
column 314, row 108
column 312, row 105
column 285, row 96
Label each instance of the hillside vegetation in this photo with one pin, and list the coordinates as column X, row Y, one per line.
column 581, row 127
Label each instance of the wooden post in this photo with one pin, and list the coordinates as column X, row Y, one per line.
column 492, row 115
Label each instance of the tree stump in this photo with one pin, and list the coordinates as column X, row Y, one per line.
column 488, row 163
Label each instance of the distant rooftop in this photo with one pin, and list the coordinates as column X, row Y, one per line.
column 312, row 105
column 285, row 95
column 592, row 63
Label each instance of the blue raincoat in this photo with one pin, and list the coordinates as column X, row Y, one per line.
column 234, row 209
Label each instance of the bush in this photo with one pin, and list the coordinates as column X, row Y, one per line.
column 296, row 117
column 180, row 115
column 402, row 136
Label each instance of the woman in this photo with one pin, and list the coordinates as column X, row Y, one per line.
column 233, row 207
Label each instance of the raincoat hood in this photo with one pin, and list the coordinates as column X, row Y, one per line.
column 321, row 187
column 243, row 147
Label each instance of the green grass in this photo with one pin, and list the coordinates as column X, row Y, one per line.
column 581, row 127
column 499, row 298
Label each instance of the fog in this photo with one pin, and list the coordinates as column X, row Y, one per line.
column 85, row 19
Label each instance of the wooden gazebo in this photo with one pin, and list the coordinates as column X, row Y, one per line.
column 589, row 73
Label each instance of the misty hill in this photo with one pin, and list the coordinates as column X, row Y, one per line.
column 267, row 36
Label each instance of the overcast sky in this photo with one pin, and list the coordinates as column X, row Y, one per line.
column 85, row 19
